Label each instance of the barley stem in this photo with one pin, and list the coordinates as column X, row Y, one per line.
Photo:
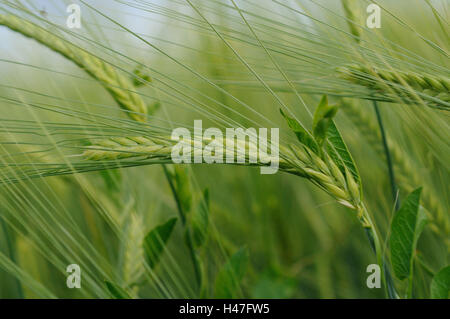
column 388, row 157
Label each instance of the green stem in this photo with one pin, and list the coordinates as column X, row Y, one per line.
column 410, row 283
column 394, row 188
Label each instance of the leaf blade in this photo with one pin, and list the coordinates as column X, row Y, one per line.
column 406, row 228
column 155, row 241
column 338, row 151
column 440, row 284
column 302, row 134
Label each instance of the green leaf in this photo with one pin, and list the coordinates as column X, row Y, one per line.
column 200, row 220
column 155, row 241
column 440, row 285
column 116, row 291
column 323, row 117
column 338, row 151
column 231, row 274
column 302, row 134
column 406, row 228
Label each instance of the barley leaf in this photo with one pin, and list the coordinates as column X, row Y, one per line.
column 323, row 117
column 302, row 134
column 230, row 276
column 116, row 291
column 338, row 151
column 406, row 228
column 200, row 220
column 440, row 285
column 155, row 241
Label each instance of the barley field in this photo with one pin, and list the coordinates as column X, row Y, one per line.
column 340, row 188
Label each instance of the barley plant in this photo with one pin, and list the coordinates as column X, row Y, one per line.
column 88, row 174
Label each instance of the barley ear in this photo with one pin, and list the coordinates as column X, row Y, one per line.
column 118, row 85
column 411, row 88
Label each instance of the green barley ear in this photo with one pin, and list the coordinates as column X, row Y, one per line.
column 335, row 171
column 411, row 87
column 353, row 186
column 299, row 159
column 119, row 86
column 326, row 167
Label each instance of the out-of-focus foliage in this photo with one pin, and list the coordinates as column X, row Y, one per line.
column 230, row 64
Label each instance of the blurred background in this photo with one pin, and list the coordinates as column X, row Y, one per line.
column 201, row 58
